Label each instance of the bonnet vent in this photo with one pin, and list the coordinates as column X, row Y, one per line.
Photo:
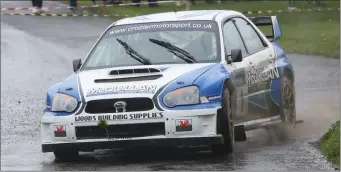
column 134, row 71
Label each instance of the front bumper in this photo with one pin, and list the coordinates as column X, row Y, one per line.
column 140, row 143
column 202, row 131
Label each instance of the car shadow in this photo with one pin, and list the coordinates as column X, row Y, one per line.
column 180, row 158
column 157, row 159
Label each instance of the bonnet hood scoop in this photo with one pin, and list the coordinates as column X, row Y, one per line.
column 133, row 74
column 134, row 71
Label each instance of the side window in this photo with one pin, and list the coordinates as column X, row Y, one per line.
column 232, row 39
column 252, row 41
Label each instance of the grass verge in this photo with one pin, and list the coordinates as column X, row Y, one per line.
column 306, row 32
column 330, row 144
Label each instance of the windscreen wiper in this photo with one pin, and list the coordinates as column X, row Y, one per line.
column 135, row 55
column 184, row 55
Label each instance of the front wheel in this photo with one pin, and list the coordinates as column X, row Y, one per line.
column 225, row 125
column 288, row 102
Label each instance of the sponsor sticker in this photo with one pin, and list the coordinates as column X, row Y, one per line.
column 115, row 117
column 183, row 125
column 59, row 130
column 197, row 25
column 213, row 98
column 163, row 68
column 121, row 138
column 123, row 89
column 203, row 99
column 212, row 57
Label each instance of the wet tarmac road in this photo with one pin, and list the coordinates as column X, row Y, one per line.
column 37, row 52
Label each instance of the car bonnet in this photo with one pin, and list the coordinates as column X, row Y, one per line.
column 134, row 81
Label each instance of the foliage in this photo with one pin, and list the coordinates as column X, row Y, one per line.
column 330, row 144
column 305, row 32
column 104, row 125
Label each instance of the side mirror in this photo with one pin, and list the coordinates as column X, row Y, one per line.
column 236, row 55
column 77, row 63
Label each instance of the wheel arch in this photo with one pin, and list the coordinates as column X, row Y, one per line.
column 228, row 83
column 288, row 72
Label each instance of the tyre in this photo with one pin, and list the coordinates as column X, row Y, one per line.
column 288, row 102
column 225, row 126
column 63, row 155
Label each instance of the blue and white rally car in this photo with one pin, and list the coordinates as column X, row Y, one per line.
column 182, row 79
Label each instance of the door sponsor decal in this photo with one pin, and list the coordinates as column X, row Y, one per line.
column 256, row 75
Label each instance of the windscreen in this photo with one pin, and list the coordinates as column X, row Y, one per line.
column 198, row 39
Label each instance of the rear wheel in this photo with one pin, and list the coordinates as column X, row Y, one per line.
column 225, row 125
column 288, row 102
column 66, row 155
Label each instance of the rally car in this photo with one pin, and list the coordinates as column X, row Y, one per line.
column 177, row 79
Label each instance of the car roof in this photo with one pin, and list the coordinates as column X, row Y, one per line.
column 176, row 16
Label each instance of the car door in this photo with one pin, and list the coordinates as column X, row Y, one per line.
column 233, row 40
column 259, row 73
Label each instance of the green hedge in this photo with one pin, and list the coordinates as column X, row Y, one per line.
column 330, row 144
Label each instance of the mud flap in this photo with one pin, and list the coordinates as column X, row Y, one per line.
column 240, row 130
column 239, row 133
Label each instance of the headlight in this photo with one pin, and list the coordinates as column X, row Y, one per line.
column 63, row 102
column 182, row 96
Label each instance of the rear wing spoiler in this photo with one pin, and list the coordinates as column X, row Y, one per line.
column 269, row 21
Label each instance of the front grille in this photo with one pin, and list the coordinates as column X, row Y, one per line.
column 120, row 131
column 107, row 105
